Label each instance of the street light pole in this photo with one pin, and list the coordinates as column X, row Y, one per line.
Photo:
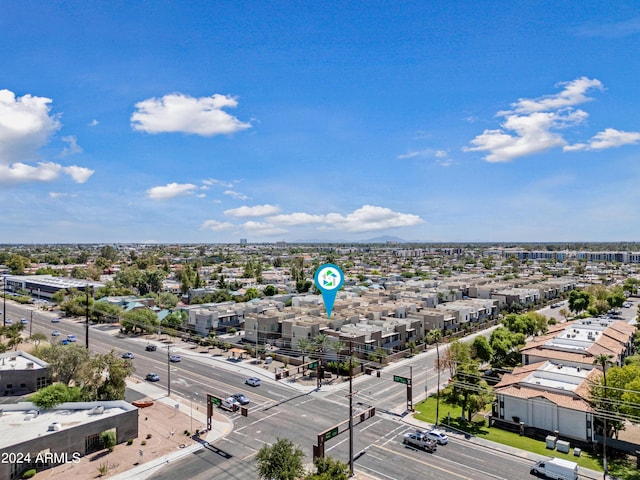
column 31, row 323
column 168, row 370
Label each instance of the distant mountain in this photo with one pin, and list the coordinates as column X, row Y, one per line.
column 384, row 239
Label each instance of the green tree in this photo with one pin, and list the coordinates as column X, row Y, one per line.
column 250, row 294
column 280, row 461
column 105, row 312
column 468, row 391
column 108, row 439
column 140, row 320
column 615, row 299
column 457, row 354
column 18, row 264
column 481, row 349
column 175, row 319
column 52, row 395
column 66, row 362
column 270, row 291
column 328, row 468
column 579, row 300
column 505, row 347
column 38, row 337
column 108, row 374
column 167, row 300
column 79, row 272
column 109, row 252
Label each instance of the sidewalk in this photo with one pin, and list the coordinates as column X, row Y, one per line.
column 220, row 426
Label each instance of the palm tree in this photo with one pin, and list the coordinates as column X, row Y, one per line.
column 604, row 360
column 434, row 336
column 305, row 346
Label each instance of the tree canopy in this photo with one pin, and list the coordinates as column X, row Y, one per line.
column 280, row 461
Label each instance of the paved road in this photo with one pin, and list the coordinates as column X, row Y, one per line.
column 279, row 410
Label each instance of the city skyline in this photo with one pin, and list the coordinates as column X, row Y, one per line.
column 208, row 122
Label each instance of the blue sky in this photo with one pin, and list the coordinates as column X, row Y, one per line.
column 319, row 121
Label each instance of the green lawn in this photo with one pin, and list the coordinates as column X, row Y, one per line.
column 426, row 411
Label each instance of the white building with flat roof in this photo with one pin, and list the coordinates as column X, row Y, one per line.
column 549, row 397
column 60, row 434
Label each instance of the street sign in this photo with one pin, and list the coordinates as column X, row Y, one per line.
column 313, row 364
column 216, row 400
column 399, row 379
column 331, row 433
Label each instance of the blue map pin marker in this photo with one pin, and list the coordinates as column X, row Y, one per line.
column 328, row 279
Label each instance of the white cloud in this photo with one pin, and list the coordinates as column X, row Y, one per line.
column 171, row 190
column 212, row 181
column 263, row 228
column 61, row 195
column 182, row 113
column 79, row 174
column 25, row 126
column 236, row 195
column 532, row 125
column 364, row 219
column 216, row 226
column 72, row 146
column 93, row 123
column 44, row 172
column 369, row 218
column 609, row 138
column 297, row 218
column 573, row 94
column 255, row 211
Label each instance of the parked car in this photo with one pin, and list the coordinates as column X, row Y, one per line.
column 150, row 348
column 72, row 338
column 9, row 321
column 128, row 355
column 152, row 377
column 418, row 440
column 436, row 435
column 64, row 342
column 230, row 404
column 55, row 320
column 175, row 358
column 241, row 398
column 253, row 381
column 24, row 321
column 55, row 333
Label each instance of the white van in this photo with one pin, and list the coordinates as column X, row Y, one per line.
column 556, row 468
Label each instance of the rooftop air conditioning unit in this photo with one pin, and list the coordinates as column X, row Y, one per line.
column 30, row 365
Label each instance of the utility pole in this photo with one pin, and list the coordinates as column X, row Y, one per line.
column 350, row 409
column 31, row 323
column 86, row 325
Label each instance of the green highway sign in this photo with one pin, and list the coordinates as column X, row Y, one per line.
column 313, row 364
column 216, row 401
column 399, row 379
column 331, row 433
